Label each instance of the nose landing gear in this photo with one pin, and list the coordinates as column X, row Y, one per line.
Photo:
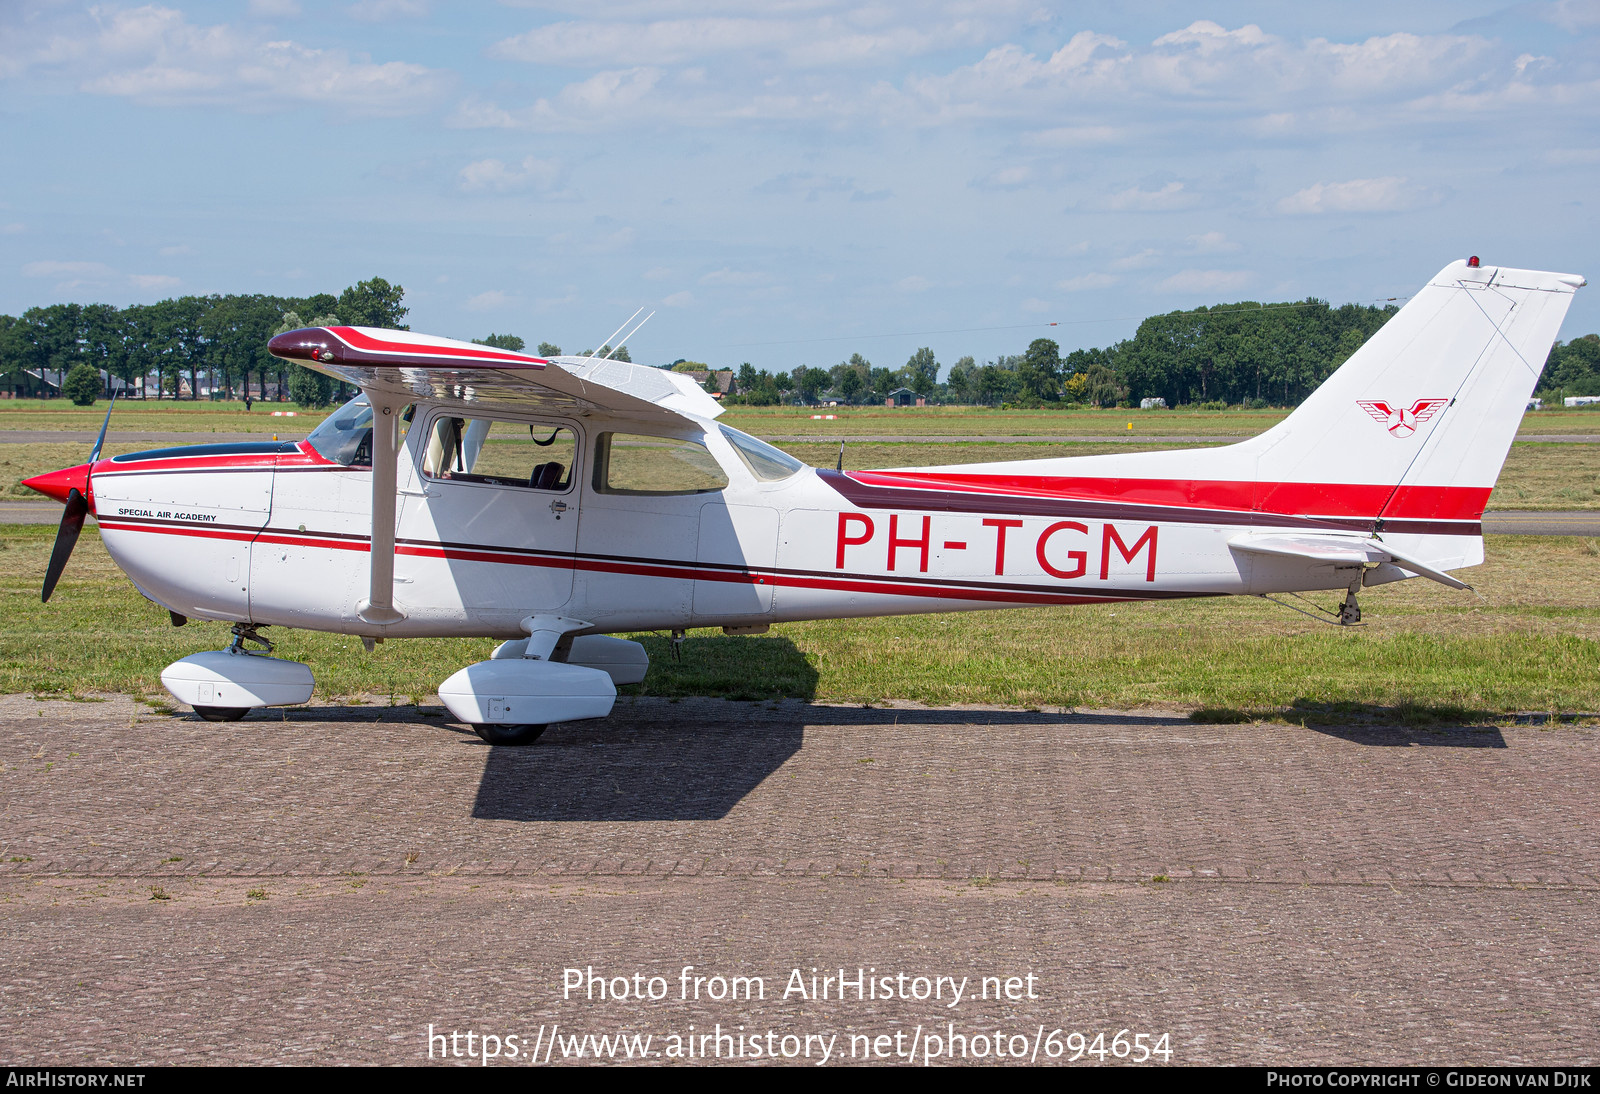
column 225, row 685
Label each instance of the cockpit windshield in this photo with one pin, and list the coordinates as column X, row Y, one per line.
column 345, row 436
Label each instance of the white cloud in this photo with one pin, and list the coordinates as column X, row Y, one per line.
column 678, row 299
column 532, row 173
column 737, row 278
column 848, row 37
column 1211, row 243
column 1206, row 281
column 274, row 9
column 14, row 228
column 152, row 282
column 68, row 269
column 1085, row 282
column 1074, row 136
column 914, row 283
column 1171, row 196
column 623, row 95
column 71, row 275
column 1204, row 64
column 1137, row 261
column 1005, row 178
column 1563, row 157
column 176, row 251
column 1036, row 306
column 383, row 11
column 491, row 300
column 1392, row 193
column 154, row 56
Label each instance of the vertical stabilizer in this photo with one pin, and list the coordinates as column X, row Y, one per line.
column 1431, row 403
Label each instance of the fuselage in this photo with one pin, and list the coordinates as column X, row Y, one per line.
column 634, row 527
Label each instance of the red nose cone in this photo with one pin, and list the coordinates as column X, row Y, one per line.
column 57, row 484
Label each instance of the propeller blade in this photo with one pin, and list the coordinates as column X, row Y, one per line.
column 100, row 441
column 66, row 539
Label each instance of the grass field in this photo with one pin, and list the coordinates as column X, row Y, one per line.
column 1531, row 641
column 158, row 416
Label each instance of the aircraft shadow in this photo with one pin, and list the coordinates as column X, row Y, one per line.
column 1403, row 737
column 1406, row 725
column 663, row 759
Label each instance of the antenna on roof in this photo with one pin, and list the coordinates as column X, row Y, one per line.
column 624, row 339
column 618, row 331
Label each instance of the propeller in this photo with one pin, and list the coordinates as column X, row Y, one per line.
column 72, row 518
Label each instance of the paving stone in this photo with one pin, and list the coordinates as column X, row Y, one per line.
column 1372, row 895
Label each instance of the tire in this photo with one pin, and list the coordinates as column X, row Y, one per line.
column 508, row 735
column 222, row 714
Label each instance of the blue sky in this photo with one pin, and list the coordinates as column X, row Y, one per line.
column 791, row 182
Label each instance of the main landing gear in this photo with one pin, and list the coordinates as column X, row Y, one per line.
column 1349, row 610
column 225, row 685
column 550, row 675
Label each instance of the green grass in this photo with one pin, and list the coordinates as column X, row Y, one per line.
column 157, row 416
column 1531, row 643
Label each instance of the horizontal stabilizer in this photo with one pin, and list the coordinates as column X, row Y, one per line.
column 1339, row 551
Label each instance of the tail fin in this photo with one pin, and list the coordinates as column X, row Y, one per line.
column 1431, row 403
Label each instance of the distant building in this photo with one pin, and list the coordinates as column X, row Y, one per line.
column 904, row 396
column 725, row 384
column 1535, row 404
column 1580, row 400
column 45, row 383
column 1157, row 403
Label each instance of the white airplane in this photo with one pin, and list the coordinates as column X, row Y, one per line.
column 551, row 503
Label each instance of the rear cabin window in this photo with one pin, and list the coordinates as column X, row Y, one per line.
column 640, row 466
column 495, row 453
column 765, row 462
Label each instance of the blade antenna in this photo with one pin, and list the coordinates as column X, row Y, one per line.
column 840, row 465
column 618, row 331
column 624, row 339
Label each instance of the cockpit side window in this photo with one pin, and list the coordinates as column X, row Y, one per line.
column 494, row 453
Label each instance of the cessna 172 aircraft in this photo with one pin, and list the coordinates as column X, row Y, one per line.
column 554, row 502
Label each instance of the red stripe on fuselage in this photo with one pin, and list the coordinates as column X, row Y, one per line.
column 1286, row 498
column 984, row 593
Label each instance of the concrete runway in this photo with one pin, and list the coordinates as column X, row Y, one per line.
column 320, row 885
column 1577, row 523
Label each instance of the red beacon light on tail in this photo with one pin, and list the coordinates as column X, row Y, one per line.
column 1473, row 262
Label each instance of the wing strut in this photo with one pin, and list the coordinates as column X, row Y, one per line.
column 379, row 607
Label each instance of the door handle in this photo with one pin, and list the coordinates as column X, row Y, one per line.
column 558, row 507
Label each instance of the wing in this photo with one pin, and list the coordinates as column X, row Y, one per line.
column 1423, row 409
column 1380, row 411
column 442, row 369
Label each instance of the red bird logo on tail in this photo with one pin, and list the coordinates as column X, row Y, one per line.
column 1402, row 421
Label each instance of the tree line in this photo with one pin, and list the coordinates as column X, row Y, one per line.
column 1244, row 353
column 221, row 338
